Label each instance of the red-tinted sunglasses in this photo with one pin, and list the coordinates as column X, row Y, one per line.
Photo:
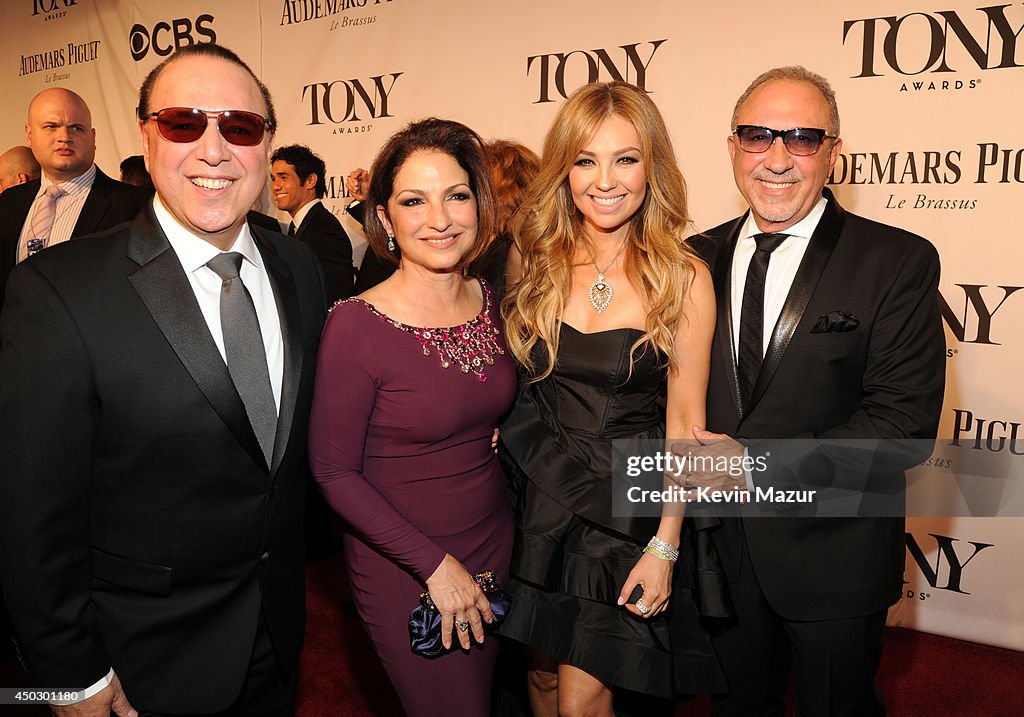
column 187, row 124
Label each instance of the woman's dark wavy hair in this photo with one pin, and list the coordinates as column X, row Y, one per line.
column 431, row 135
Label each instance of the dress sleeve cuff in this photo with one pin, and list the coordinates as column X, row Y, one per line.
column 430, row 562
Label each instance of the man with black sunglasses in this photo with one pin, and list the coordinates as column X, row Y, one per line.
column 153, row 446
column 828, row 328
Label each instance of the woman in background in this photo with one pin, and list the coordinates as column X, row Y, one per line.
column 411, row 381
column 608, row 310
column 513, row 167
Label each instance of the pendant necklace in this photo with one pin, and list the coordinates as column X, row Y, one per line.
column 601, row 291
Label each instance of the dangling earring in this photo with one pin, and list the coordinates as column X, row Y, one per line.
column 391, row 241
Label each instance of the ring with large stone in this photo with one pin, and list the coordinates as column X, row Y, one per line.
column 641, row 608
column 463, row 625
column 686, row 482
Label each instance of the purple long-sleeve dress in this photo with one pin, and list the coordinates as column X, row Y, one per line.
column 401, row 448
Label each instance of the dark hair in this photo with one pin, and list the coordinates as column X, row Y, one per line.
column 207, row 49
column 432, row 135
column 305, row 162
column 133, row 171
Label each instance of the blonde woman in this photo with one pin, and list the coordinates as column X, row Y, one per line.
column 608, row 312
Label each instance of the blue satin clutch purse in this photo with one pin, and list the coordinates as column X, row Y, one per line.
column 425, row 620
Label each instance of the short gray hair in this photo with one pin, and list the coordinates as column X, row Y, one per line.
column 797, row 74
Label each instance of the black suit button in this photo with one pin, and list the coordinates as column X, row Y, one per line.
column 265, row 557
column 272, row 493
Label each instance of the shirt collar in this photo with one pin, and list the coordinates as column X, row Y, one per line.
column 301, row 214
column 81, row 183
column 193, row 252
column 803, row 228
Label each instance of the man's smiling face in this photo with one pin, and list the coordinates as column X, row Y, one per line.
column 209, row 184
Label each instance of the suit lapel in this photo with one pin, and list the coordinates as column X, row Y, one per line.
column 815, row 258
column 308, row 220
column 164, row 289
column 723, row 297
column 20, row 200
column 289, row 313
column 21, row 205
column 96, row 205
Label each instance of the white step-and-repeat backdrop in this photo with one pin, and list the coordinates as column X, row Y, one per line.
column 931, row 96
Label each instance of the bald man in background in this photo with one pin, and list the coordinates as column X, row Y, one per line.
column 73, row 197
column 17, row 166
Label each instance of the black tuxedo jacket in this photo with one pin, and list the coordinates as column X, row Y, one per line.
column 109, row 203
column 140, row 526
column 882, row 379
column 322, row 232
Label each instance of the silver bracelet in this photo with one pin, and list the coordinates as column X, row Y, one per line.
column 661, row 549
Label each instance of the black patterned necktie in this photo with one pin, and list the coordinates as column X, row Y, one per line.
column 751, row 350
column 243, row 345
column 291, row 229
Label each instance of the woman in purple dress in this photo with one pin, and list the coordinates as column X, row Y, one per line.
column 412, row 378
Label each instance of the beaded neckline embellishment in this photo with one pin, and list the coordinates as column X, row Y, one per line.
column 471, row 346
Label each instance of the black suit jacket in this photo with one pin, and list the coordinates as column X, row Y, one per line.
column 109, row 203
column 884, row 379
column 140, row 526
column 321, row 231
column 263, row 220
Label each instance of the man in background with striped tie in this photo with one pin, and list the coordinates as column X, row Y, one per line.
column 73, row 197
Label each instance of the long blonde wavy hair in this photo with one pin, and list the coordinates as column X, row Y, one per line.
column 548, row 228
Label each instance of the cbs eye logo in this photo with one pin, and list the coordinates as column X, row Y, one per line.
column 140, row 39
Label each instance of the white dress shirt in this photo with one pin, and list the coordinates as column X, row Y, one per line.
column 300, row 215
column 68, row 208
column 778, row 281
column 193, row 253
column 781, row 270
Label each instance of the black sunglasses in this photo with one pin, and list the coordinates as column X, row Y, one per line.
column 187, row 124
column 800, row 141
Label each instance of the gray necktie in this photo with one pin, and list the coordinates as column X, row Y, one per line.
column 243, row 344
column 42, row 222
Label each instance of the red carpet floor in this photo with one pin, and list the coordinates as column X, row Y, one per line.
column 921, row 675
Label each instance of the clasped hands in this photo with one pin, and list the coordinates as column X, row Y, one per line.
column 710, row 463
column 460, row 601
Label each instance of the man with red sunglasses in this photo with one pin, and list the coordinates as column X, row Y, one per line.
column 153, row 447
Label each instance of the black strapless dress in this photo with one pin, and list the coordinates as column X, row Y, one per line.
column 571, row 556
